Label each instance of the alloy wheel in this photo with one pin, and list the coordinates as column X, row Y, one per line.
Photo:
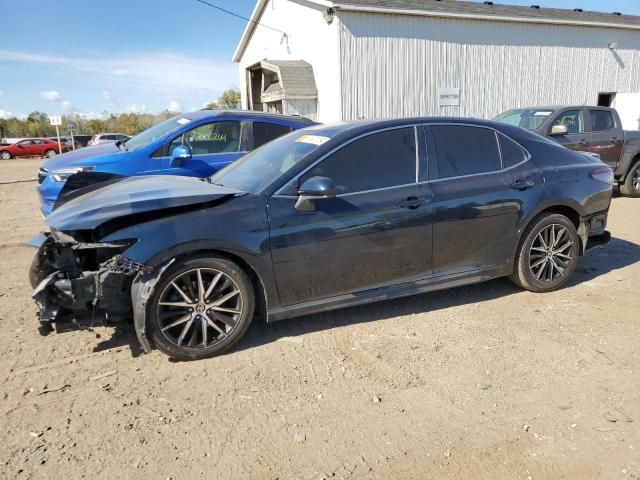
column 636, row 179
column 6, row 156
column 50, row 153
column 199, row 308
column 550, row 254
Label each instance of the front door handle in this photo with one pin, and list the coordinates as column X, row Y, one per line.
column 414, row 202
column 522, row 184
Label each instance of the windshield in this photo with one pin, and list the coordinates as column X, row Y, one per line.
column 149, row 135
column 260, row 168
column 531, row 119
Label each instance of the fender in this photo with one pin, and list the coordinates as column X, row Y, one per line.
column 260, row 265
column 546, row 205
column 629, row 157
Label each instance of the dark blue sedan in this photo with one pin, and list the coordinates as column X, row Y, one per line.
column 322, row 218
column 212, row 139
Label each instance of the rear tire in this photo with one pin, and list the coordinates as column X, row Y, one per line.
column 547, row 255
column 4, row 155
column 50, row 153
column 631, row 185
column 200, row 307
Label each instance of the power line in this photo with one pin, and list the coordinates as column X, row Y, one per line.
column 240, row 16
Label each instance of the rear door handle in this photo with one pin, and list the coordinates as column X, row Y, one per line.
column 413, row 202
column 522, row 184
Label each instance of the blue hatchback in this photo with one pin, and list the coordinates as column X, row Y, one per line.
column 195, row 144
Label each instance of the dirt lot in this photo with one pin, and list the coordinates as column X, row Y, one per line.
column 485, row 381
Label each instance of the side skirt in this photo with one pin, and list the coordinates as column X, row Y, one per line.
column 386, row 293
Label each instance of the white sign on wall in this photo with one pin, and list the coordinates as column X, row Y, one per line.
column 55, row 120
column 448, row 97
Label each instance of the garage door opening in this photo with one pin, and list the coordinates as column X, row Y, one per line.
column 606, row 99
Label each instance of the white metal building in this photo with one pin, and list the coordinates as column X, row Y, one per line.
column 351, row 59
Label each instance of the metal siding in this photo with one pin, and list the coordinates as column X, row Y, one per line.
column 393, row 65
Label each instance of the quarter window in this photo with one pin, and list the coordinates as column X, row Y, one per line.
column 572, row 120
column 601, row 120
column 462, row 150
column 380, row 160
column 265, row 132
column 512, row 153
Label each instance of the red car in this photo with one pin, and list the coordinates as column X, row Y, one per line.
column 32, row 147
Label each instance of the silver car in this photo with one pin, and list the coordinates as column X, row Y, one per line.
column 107, row 138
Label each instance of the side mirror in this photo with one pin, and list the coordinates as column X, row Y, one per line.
column 313, row 189
column 180, row 154
column 559, row 130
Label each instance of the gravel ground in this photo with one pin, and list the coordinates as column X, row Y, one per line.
column 485, row 381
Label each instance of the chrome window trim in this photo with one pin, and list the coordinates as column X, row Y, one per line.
column 497, row 132
column 415, row 126
column 348, row 142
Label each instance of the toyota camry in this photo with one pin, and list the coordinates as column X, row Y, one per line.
column 322, row 218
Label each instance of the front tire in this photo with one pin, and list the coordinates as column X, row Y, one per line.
column 50, row 153
column 631, row 185
column 5, row 155
column 200, row 308
column 547, row 255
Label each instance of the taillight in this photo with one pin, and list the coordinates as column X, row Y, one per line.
column 602, row 174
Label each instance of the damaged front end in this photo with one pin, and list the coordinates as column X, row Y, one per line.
column 74, row 278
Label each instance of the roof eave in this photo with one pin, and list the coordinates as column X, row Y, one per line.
column 253, row 23
column 473, row 16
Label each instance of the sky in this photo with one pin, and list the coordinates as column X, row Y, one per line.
column 115, row 56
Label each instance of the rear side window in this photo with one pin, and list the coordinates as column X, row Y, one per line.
column 380, row 160
column 462, row 150
column 265, row 132
column 512, row 153
column 601, row 120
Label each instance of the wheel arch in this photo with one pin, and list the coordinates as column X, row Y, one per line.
column 634, row 158
column 565, row 207
column 264, row 291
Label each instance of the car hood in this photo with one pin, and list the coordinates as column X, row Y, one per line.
column 87, row 156
column 134, row 196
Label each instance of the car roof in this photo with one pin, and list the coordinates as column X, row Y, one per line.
column 246, row 114
column 558, row 107
column 361, row 126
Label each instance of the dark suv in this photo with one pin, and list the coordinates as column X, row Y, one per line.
column 587, row 129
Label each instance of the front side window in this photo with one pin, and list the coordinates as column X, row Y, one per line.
column 380, row 160
column 463, row 150
column 572, row 120
column 25, row 143
column 265, row 132
column 531, row 119
column 601, row 120
column 216, row 137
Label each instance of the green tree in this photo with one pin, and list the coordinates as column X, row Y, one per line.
column 229, row 99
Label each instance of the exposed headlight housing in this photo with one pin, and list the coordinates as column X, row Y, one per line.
column 63, row 174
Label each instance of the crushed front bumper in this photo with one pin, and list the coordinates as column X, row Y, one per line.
column 72, row 278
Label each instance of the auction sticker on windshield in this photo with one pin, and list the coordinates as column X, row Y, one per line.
column 313, row 139
column 183, row 121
